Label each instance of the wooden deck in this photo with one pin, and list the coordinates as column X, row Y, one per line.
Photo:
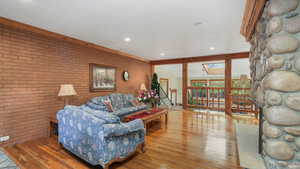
column 190, row 141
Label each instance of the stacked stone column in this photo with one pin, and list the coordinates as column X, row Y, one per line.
column 275, row 72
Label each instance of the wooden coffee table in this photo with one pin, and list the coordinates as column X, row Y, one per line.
column 148, row 115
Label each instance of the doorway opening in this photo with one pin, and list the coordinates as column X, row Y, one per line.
column 164, row 84
column 206, row 86
column 170, row 78
column 240, row 90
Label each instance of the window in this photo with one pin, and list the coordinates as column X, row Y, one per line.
column 214, row 68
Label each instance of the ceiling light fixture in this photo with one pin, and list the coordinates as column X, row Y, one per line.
column 27, row 0
column 127, row 39
column 197, row 23
column 212, row 48
column 162, row 54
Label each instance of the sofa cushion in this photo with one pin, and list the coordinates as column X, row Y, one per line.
column 125, row 111
column 127, row 99
column 128, row 110
column 117, row 100
column 99, row 99
column 95, row 106
column 107, row 117
column 97, row 103
column 122, row 128
column 76, row 113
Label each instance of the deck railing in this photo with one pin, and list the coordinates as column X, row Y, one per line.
column 241, row 102
column 213, row 98
column 206, row 97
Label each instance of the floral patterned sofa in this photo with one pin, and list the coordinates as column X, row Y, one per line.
column 121, row 104
column 98, row 137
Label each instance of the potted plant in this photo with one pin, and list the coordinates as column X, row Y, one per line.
column 149, row 97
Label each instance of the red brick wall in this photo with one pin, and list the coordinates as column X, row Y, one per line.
column 33, row 66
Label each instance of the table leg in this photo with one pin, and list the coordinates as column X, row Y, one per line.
column 166, row 118
column 51, row 129
column 146, row 127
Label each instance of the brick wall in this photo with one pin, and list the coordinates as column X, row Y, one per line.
column 33, row 66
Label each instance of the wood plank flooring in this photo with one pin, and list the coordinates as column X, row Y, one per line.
column 189, row 141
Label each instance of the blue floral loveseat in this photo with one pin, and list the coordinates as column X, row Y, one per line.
column 97, row 136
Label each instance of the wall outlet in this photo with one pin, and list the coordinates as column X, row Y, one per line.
column 4, row 138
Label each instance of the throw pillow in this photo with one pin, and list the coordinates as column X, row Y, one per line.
column 108, row 105
column 104, row 115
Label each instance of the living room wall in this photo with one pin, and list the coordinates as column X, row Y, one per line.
column 33, row 67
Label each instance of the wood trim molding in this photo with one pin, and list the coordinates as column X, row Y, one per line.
column 201, row 58
column 44, row 32
column 184, row 85
column 252, row 13
column 228, row 81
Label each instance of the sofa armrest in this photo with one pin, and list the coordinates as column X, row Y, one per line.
column 74, row 120
column 123, row 128
column 81, row 133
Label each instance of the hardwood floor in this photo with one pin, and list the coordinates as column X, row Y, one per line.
column 189, row 141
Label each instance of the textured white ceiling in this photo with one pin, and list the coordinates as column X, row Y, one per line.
column 154, row 26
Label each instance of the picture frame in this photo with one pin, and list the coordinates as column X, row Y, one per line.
column 102, row 77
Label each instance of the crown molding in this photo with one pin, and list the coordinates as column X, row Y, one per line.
column 252, row 13
column 201, row 58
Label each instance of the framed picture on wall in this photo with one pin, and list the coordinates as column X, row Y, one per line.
column 102, row 78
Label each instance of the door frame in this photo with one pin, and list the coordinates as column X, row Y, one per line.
column 165, row 79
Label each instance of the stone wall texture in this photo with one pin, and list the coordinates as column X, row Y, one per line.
column 275, row 73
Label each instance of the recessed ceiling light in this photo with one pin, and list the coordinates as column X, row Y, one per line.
column 27, row 0
column 162, row 54
column 212, row 48
column 127, row 39
column 197, row 23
